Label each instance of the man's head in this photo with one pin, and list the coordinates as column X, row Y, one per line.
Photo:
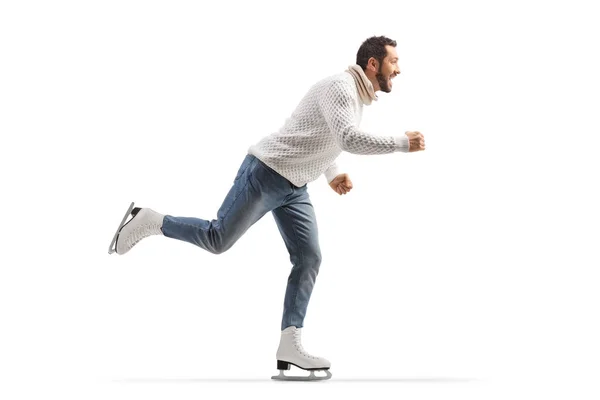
column 378, row 58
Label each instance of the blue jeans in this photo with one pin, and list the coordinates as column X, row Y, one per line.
column 258, row 189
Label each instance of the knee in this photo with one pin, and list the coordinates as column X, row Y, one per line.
column 219, row 248
column 317, row 258
column 222, row 246
column 312, row 258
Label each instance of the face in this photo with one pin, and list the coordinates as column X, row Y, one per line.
column 388, row 70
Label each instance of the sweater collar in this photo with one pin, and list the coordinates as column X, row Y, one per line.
column 366, row 92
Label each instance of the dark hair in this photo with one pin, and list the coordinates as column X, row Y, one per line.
column 373, row 47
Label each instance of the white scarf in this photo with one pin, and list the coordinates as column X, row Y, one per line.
column 363, row 84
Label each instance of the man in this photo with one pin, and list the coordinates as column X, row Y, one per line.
column 273, row 178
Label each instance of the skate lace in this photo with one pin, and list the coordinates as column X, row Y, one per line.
column 299, row 347
column 141, row 232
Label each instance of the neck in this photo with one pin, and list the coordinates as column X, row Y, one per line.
column 373, row 79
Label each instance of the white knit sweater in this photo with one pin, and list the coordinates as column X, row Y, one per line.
column 325, row 123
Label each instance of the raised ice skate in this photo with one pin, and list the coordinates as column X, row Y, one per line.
column 291, row 352
column 144, row 222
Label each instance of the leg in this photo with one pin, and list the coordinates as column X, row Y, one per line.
column 297, row 224
column 255, row 191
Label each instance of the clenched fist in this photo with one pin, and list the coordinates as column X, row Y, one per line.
column 341, row 184
column 416, row 141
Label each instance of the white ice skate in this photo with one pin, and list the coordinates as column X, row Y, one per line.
column 144, row 222
column 290, row 352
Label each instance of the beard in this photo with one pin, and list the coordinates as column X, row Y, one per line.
column 383, row 81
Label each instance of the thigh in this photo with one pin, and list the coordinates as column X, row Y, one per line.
column 254, row 193
column 297, row 223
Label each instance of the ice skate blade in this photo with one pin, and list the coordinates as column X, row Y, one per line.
column 112, row 248
column 311, row 377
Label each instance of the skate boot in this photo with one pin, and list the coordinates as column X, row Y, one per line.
column 291, row 352
column 144, row 222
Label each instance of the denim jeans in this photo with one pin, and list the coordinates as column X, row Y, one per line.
column 258, row 189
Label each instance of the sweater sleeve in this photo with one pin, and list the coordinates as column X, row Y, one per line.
column 339, row 109
column 331, row 172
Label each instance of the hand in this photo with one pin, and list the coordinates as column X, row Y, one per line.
column 341, row 184
column 416, row 141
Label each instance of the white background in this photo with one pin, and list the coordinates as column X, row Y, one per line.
column 467, row 271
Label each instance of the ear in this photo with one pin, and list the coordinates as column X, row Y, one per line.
column 373, row 64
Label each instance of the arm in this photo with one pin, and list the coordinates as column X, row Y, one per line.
column 341, row 183
column 338, row 108
column 331, row 172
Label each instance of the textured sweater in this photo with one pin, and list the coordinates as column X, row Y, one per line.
column 325, row 123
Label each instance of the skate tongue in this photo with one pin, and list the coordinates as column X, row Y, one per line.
column 289, row 329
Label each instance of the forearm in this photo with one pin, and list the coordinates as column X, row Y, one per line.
column 353, row 140
column 331, row 172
